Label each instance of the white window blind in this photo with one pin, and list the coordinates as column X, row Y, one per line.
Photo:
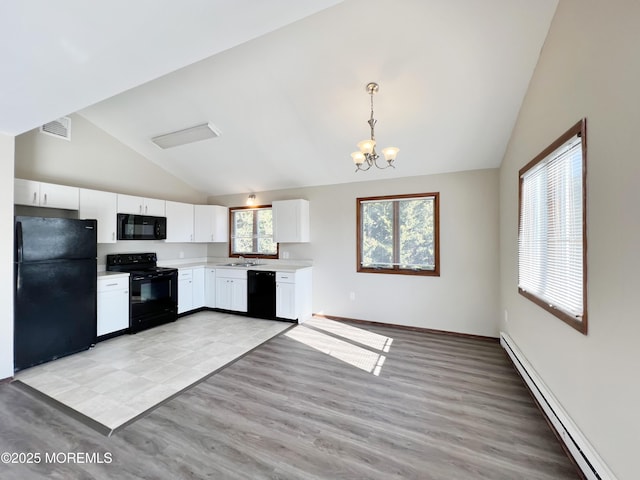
column 550, row 237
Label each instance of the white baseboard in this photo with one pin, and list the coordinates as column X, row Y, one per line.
column 592, row 466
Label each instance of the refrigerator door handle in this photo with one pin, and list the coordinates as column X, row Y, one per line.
column 19, row 242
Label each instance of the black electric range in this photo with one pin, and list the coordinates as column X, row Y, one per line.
column 153, row 297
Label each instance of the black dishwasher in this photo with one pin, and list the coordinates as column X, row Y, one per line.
column 261, row 294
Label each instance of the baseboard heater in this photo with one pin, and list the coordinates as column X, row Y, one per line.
column 588, row 460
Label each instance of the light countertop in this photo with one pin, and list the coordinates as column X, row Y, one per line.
column 112, row 274
column 271, row 267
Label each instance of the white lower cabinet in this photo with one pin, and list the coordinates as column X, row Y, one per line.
column 210, row 288
column 198, row 288
column 185, row 290
column 286, row 300
column 293, row 295
column 231, row 289
column 113, row 304
column 191, row 289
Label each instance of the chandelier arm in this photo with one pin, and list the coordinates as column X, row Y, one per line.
column 359, row 167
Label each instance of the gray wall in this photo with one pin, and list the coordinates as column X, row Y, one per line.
column 94, row 159
column 589, row 67
column 6, row 256
column 463, row 299
column 465, row 296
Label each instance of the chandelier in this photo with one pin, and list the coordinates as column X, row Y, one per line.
column 367, row 156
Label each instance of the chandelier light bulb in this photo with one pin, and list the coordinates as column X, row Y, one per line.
column 390, row 153
column 358, row 158
column 366, row 146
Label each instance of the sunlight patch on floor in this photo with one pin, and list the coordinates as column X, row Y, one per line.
column 359, row 357
column 359, row 335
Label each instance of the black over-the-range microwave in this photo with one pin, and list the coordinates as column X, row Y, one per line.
column 141, row 227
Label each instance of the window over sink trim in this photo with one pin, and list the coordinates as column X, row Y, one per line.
column 258, row 239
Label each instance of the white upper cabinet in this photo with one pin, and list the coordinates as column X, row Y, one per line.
column 179, row 222
column 26, row 192
column 290, row 221
column 103, row 207
column 211, row 223
column 39, row 194
column 140, row 205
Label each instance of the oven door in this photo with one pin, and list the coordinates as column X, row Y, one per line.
column 154, row 300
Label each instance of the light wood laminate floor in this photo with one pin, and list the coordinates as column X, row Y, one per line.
column 323, row 400
column 121, row 378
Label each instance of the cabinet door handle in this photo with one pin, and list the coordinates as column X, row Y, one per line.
column 111, row 284
column 113, row 235
column 45, row 199
column 146, row 209
column 35, row 197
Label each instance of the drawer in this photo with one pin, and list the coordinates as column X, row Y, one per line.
column 285, row 277
column 186, row 274
column 106, row 284
column 231, row 273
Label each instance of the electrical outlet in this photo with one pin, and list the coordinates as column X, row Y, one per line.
column 181, row 255
column 506, row 316
column 352, row 296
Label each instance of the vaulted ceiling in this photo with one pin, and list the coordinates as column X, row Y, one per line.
column 283, row 80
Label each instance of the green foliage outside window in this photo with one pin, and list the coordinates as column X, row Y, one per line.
column 398, row 233
column 252, row 232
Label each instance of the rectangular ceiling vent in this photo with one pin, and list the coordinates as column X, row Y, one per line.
column 60, row 128
column 188, row 135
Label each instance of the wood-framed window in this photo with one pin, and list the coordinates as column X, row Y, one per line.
column 251, row 232
column 398, row 234
column 552, row 228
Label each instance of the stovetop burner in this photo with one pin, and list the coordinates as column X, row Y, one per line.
column 136, row 263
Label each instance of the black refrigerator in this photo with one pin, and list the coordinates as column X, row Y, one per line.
column 55, row 288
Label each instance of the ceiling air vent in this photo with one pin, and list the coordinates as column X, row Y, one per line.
column 60, row 128
column 188, row 135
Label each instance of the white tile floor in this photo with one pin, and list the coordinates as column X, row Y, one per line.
column 123, row 377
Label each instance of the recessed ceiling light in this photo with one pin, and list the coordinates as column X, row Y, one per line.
column 188, row 135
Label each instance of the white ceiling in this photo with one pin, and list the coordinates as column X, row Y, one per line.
column 284, row 81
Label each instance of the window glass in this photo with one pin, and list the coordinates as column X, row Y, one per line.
column 251, row 232
column 398, row 234
column 377, row 234
column 552, row 228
